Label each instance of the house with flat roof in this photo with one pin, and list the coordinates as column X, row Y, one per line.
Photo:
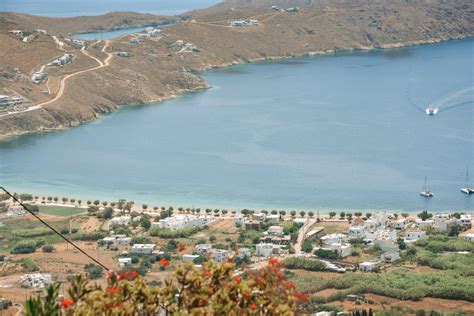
column 390, row 256
column 121, row 220
column 124, row 262
column 368, row 266
column 267, row 250
column 333, row 239
column 143, row 249
column 356, row 232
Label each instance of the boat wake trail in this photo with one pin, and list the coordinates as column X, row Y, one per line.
column 456, row 99
column 410, row 99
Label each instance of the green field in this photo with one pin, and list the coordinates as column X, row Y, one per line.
column 59, row 210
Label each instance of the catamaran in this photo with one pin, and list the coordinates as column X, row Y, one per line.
column 467, row 189
column 426, row 193
column 431, row 110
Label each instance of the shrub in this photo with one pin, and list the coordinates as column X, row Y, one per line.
column 327, row 254
column 305, row 264
column 90, row 236
column 24, row 247
column 212, row 290
column 32, row 232
column 307, row 246
column 94, row 270
column 182, row 233
column 140, row 240
column 48, row 248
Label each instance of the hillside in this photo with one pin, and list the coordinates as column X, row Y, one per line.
column 160, row 68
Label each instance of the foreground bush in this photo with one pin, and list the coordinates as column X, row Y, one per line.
column 214, row 289
column 305, row 264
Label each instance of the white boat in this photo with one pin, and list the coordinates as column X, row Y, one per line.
column 431, row 110
column 426, row 193
column 467, row 189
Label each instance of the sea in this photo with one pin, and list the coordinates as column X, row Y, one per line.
column 342, row 131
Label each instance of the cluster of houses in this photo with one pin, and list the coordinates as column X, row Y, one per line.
column 63, row 60
column 7, row 101
column 148, row 33
column 181, row 221
column 292, row 9
column 37, row 280
column 243, row 23
column 75, row 42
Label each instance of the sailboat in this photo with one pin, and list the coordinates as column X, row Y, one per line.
column 467, row 189
column 426, row 193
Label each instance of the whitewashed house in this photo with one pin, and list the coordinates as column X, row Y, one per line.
column 356, row 232
column 181, row 221
column 203, row 248
column 423, row 223
column 35, row 280
column 465, row 221
column 124, row 262
column 333, row 239
column 442, row 222
column 219, row 255
column 275, row 231
column 189, row 258
column 399, row 223
column 121, row 220
column 368, row 266
column 243, row 252
column 469, row 236
column 415, row 235
column 267, row 250
column 143, row 249
column 343, row 250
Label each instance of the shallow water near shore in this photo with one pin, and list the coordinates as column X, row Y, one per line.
column 346, row 131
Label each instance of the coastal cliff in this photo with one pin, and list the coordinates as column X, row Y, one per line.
column 160, row 68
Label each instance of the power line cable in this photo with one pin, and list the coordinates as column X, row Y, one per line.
column 54, row 230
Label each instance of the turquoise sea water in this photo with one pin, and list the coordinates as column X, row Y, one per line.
column 67, row 8
column 345, row 131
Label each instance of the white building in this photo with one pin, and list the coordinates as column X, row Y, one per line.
column 124, row 262
column 465, row 221
column 267, row 250
column 243, row 23
column 219, row 255
column 343, row 250
column 121, row 220
column 272, row 218
column 333, row 239
column 415, row 235
column 134, row 40
column 181, row 221
column 35, row 280
column 423, row 223
column 368, row 266
column 356, row 232
column 117, row 240
column 390, row 256
column 240, row 220
column 38, row 77
column 443, row 221
column 469, row 236
column 243, row 252
column 399, row 223
column 143, row 249
column 275, row 231
column 189, row 258
column 203, row 248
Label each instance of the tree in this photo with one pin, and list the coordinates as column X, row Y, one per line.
column 145, row 222
column 425, row 215
column 401, row 243
column 50, row 198
column 358, row 214
column 79, row 202
column 349, row 216
column 94, row 271
column 48, row 248
column 454, row 230
column 265, row 212
column 224, row 212
column 56, row 199
column 104, row 203
column 33, row 208
column 64, row 199
column 405, row 215
column 282, row 213
column 96, row 202
column 311, row 214
column 307, row 246
column 368, row 215
column 302, row 214
column 212, row 238
column 293, row 213
column 108, row 213
column 395, row 215
column 208, row 210
column 144, row 206
column 342, row 214
column 172, row 245
column 274, row 212
column 332, row 214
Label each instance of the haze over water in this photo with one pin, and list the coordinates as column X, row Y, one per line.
column 333, row 132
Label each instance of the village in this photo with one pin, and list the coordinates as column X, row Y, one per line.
column 133, row 237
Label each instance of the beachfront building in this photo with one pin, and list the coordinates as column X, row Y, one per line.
column 252, row 225
column 143, row 249
column 423, row 223
column 272, row 218
column 181, row 221
column 442, row 222
column 267, row 250
column 333, row 239
column 465, row 221
column 121, row 220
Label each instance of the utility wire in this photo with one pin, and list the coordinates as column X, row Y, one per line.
column 54, row 230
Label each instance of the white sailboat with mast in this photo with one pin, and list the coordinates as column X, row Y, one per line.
column 467, row 189
column 426, row 193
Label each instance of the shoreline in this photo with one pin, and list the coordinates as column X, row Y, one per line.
column 10, row 136
column 230, row 208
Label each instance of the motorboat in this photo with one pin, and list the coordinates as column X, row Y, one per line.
column 431, row 110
